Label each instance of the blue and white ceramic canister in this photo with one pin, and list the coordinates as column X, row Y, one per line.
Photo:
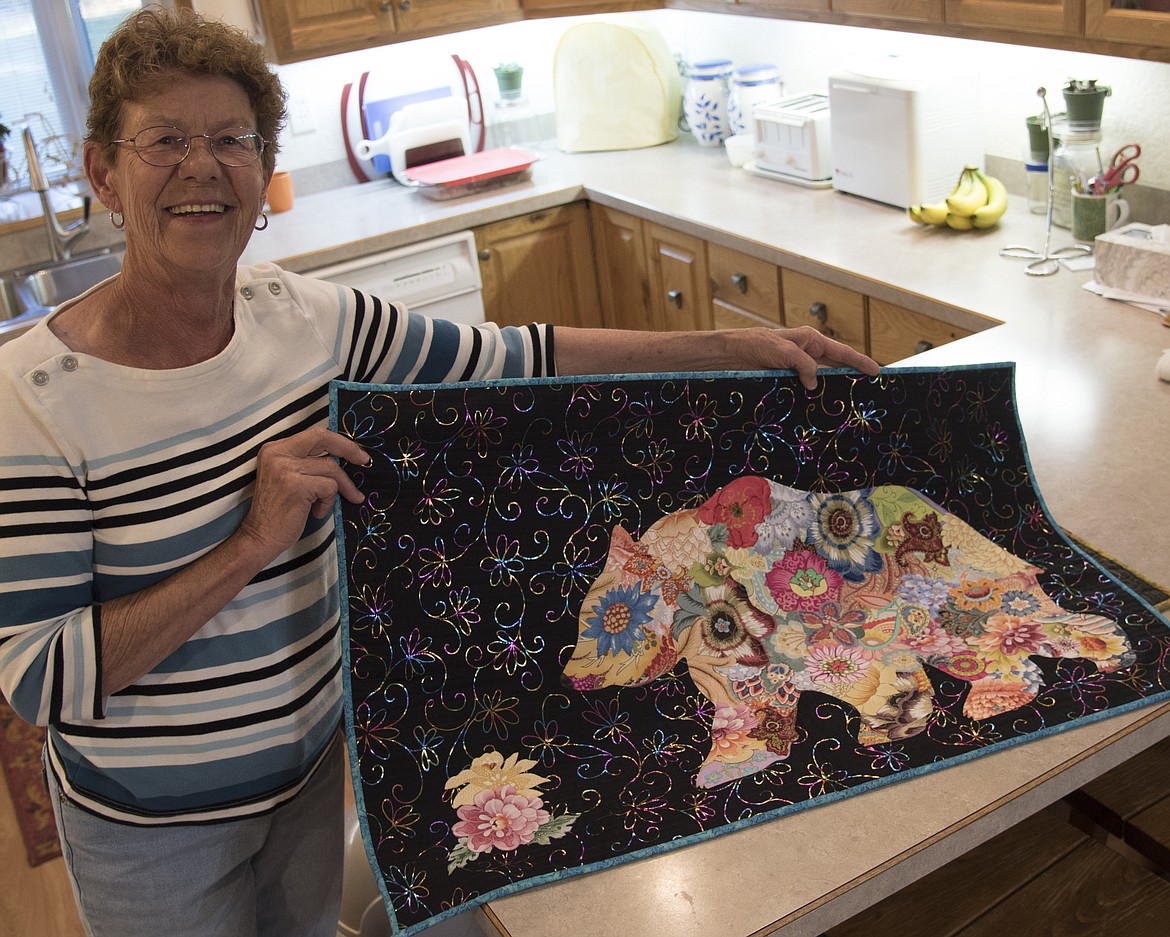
column 705, row 101
column 751, row 85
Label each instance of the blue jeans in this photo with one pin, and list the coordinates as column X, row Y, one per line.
column 272, row 876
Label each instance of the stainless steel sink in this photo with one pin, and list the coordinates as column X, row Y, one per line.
column 41, row 288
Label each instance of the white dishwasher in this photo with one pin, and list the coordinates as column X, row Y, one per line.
column 439, row 277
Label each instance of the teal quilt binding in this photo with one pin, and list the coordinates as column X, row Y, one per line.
column 590, row 619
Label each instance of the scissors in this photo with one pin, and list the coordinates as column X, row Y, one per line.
column 1122, row 170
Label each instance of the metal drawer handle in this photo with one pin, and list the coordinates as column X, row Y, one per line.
column 923, row 345
column 485, row 254
column 739, row 281
column 819, row 311
column 676, row 297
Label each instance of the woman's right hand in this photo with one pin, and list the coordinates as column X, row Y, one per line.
column 296, row 477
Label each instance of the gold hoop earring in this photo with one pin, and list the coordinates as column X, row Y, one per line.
column 264, row 219
column 119, row 222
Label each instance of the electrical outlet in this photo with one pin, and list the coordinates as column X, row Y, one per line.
column 300, row 118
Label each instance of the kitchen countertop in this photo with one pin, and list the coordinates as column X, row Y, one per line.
column 1090, row 404
column 1092, row 410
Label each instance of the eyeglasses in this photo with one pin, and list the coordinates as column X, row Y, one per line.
column 169, row 146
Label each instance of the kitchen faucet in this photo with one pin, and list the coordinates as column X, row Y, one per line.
column 61, row 239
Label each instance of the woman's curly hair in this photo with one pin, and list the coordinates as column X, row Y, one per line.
column 141, row 55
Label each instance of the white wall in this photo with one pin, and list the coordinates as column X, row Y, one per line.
column 1005, row 77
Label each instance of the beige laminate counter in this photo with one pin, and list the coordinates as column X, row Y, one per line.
column 1091, row 406
column 1093, row 414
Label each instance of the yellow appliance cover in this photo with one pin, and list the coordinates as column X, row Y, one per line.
column 616, row 87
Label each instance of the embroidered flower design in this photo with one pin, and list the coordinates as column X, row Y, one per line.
column 502, row 820
column 802, row 580
column 730, row 627
column 835, row 664
column 740, row 506
column 617, row 620
column 844, row 531
column 500, row 808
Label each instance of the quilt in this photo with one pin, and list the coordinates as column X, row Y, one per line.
column 586, row 620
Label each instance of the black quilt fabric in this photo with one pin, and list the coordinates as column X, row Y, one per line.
column 591, row 619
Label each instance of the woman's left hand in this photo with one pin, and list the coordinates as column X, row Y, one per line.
column 618, row 351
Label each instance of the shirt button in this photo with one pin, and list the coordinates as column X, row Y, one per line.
column 69, row 363
column 274, row 288
column 40, row 378
column 246, row 292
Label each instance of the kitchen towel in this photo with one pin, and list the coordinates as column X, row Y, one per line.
column 591, row 619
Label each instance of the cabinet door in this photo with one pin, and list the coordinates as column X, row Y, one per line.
column 1142, row 21
column 917, row 11
column 833, row 310
column 745, row 291
column 780, row 7
column 896, row 333
column 418, row 17
column 679, row 300
column 1052, row 17
column 539, row 268
column 619, row 242
column 305, row 29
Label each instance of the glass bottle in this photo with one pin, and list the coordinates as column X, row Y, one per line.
column 705, row 101
column 1075, row 160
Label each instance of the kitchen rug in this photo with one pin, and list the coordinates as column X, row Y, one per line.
column 590, row 619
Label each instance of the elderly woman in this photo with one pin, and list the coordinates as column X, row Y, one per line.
column 167, row 478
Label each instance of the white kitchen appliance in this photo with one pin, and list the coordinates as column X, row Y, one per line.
column 421, row 133
column 369, row 105
column 792, row 138
column 902, row 130
column 439, row 277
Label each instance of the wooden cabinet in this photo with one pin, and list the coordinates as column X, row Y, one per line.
column 781, row 7
column 623, row 282
column 306, row 29
column 303, row 29
column 540, row 268
column 744, row 290
column 896, row 333
column 1119, row 20
column 678, row 279
column 1048, row 17
column 427, row 17
column 651, row 277
column 915, row 11
column 831, row 309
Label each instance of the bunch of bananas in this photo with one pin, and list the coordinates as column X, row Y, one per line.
column 977, row 201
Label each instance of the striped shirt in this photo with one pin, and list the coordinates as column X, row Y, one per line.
column 112, row 478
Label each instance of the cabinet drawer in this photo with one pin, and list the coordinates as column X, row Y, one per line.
column 834, row 310
column 745, row 283
column 896, row 333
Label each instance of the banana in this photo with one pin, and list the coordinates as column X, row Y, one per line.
column 960, row 222
column 928, row 214
column 969, row 195
column 997, row 200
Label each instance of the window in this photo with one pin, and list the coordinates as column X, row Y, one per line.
column 47, row 50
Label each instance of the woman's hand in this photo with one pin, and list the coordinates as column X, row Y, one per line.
column 618, row 351
column 296, row 477
column 803, row 349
